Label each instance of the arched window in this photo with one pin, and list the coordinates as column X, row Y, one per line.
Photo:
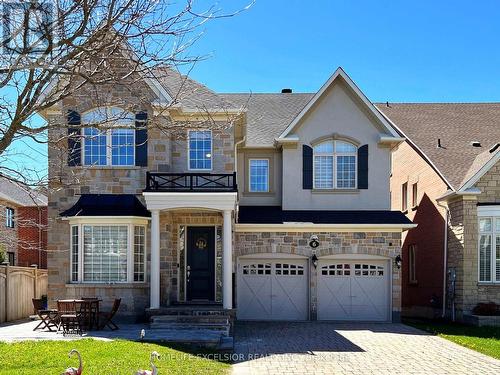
column 108, row 137
column 335, row 164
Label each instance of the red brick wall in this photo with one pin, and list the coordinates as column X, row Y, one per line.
column 32, row 236
column 408, row 166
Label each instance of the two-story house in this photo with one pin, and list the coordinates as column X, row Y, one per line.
column 446, row 179
column 275, row 205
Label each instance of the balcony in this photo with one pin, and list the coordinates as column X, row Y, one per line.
column 190, row 182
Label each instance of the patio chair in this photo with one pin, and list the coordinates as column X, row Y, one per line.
column 48, row 317
column 69, row 318
column 107, row 317
column 91, row 311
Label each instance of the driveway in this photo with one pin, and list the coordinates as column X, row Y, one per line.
column 338, row 348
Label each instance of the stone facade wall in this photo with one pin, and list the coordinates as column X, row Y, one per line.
column 463, row 240
column 368, row 243
column 67, row 183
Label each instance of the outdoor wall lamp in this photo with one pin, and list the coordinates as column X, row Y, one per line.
column 398, row 261
column 314, row 260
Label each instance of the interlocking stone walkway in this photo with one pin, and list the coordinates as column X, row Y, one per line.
column 348, row 349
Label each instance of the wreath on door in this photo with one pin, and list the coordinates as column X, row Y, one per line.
column 201, row 243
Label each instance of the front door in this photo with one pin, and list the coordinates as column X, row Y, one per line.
column 200, row 264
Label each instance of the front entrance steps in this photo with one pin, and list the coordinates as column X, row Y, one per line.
column 205, row 325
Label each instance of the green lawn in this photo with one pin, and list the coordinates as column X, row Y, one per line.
column 485, row 340
column 99, row 357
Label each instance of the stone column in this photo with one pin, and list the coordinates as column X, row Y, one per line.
column 227, row 261
column 155, row 260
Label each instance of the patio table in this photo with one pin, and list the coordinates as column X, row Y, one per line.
column 89, row 308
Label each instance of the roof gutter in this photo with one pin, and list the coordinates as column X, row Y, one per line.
column 452, row 193
column 311, row 227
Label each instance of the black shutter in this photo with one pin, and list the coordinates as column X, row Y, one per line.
column 363, row 167
column 141, row 139
column 307, row 167
column 74, row 139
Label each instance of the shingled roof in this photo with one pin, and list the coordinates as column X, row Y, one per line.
column 19, row 194
column 268, row 115
column 188, row 93
column 456, row 125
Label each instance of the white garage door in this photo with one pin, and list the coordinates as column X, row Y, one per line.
column 272, row 289
column 353, row 290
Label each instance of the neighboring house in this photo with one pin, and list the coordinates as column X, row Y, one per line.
column 23, row 230
column 448, row 171
column 279, row 207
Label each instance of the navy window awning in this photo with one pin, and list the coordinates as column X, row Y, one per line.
column 276, row 215
column 107, row 205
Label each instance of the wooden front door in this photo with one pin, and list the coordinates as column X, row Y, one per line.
column 200, row 264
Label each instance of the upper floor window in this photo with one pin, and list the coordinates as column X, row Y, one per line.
column 200, row 149
column 489, row 249
column 335, row 165
column 9, row 217
column 414, row 195
column 108, row 137
column 259, row 175
column 404, row 196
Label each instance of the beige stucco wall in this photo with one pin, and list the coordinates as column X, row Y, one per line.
column 271, row 198
column 463, row 244
column 338, row 112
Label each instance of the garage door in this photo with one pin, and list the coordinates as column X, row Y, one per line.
column 353, row 290
column 271, row 289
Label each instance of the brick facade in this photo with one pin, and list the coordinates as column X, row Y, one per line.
column 331, row 243
column 409, row 167
column 463, row 240
column 32, row 236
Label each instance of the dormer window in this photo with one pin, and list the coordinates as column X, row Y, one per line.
column 335, row 165
column 108, row 137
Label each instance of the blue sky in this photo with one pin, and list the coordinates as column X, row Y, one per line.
column 398, row 51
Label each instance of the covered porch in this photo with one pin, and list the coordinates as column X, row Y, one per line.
column 191, row 240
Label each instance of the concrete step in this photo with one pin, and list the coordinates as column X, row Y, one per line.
column 223, row 328
column 190, row 319
column 198, row 337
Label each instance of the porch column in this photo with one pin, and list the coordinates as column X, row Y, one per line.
column 227, row 261
column 155, row 260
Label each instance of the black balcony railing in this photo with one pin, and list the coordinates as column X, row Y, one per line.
column 190, row 182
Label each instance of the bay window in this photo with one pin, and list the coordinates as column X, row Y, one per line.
column 335, row 164
column 108, row 137
column 104, row 252
column 489, row 249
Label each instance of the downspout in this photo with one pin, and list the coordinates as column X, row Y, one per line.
column 236, row 171
column 445, row 255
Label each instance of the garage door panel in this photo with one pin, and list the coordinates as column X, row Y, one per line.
column 275, row 291
column 289, row 298
column 353, row 290
column 332, row 302
column 252, row 297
